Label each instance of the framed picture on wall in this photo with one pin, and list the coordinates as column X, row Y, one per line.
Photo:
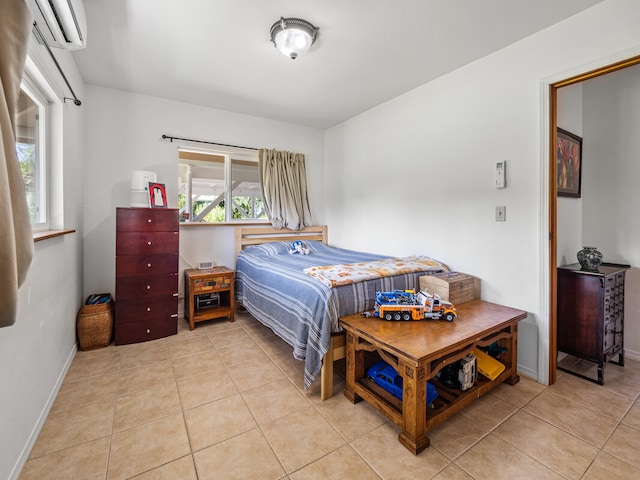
column 157, row 195
column 568, row 164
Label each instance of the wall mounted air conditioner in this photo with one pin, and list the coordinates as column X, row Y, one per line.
column 62, row 23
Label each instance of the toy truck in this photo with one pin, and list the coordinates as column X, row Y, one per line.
column 383, row 375
column 409, row 305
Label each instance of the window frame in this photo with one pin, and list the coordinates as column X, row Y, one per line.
column 228, row 153
column 33, row 88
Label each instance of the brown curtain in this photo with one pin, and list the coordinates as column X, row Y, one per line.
column 16, row 240
column 283, row 180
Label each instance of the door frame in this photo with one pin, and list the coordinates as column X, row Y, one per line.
column 547, row 350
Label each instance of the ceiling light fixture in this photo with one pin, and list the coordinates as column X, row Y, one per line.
column 293, row 36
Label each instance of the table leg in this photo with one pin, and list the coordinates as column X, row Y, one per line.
column 355, row 367
column 414, row 407
column 512, row 352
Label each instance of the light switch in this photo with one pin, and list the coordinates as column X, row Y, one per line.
column 501, row 214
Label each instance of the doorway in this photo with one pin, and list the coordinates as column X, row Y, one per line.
column 552, row 201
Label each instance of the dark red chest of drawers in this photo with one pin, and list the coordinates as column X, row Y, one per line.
column 147, row 242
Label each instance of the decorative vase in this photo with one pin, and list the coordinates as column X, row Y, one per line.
column 590, row 258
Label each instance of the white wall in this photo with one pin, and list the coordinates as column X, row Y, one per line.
column 124, row 133
column 416, row 174
column 569, row 209
column 610, row 180
column 36, row 351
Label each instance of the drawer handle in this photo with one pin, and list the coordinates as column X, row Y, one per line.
column 148, row 287
column 148, row 265
column 148, row 309
column 148, row 220
column 148, row 243
column 148, row 330
column 175, row 315
column 175, row 294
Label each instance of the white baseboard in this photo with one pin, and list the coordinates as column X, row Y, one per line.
column 527, row 372
column 631, row 355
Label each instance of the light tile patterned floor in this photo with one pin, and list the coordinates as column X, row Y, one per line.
column 226, row 402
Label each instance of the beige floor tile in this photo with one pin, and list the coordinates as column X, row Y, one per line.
column 146, row 406
column 489, row 411
column 570, row 415
column 226, row 338
column 452, row 472
column 181, row 469
column 197, row 364
column 74, row 395
column 391, row 460
column 245, row 457
column 342, row 463
column 301, row 438
column 608, row 467
column 496, row 459
column 250, row 352
column 74, row 427
column 625, row 445
column 87, row 461
column 456, row 435
column 274, row 400
column 519, row 394
column 560, row 451
column 141, row 378
column 190, row 345
column 623, row 380
column 592, row 396
column 350, row 420
column 148, row 354
column 210, row 327
column 254, row 374
column 196, row 391
column 218, row 421
column 93, row 363
column 632, row 418
column 139, row 449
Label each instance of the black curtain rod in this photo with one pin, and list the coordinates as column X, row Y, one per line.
column 42, row 39
column 204, row 141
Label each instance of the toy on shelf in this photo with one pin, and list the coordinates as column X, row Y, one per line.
column 409, row 305
column 385, row 376
column 298, row 248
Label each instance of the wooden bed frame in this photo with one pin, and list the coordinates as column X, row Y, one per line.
column 246, row 236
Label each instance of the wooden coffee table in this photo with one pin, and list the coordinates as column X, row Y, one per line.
column 418, row 350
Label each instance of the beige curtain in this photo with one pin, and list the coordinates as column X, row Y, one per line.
column 283, row 180
column 16, row 240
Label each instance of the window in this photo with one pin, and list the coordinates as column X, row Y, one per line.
column 219, row 186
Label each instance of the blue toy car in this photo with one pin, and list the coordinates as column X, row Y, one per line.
column 383, row 375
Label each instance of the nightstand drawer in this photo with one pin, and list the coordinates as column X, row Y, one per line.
column 210, row 284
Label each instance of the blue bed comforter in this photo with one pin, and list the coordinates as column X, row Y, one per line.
column 303, row 311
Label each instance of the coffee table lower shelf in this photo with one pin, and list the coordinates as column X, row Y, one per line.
column 418, row 351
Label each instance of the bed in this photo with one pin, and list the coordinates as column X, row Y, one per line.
column 301, row 297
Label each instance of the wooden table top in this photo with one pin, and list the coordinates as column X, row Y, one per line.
column 195, row 273
column 424, row 338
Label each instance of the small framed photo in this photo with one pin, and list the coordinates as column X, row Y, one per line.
column 157, row 195
column 568, row 164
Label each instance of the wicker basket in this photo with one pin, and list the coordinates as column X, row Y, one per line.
column 95, row 325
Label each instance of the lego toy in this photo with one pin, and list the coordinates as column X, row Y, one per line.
column 298, row 248
column 384, row 375
column 409, row 305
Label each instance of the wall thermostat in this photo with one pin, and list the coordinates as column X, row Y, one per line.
column 501, row 174
column 205, row 265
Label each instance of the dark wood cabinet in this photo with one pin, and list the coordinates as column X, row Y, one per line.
column 147, row 243
column 590, row 314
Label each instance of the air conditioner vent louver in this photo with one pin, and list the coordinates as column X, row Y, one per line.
column 62, row 23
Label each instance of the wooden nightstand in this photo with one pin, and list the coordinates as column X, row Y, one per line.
column 208, row 294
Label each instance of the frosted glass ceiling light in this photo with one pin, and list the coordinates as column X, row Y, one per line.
column 293, row 36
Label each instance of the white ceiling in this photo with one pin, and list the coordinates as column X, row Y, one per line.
column 218, row 53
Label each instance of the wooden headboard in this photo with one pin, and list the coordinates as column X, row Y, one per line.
column 246, row 236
